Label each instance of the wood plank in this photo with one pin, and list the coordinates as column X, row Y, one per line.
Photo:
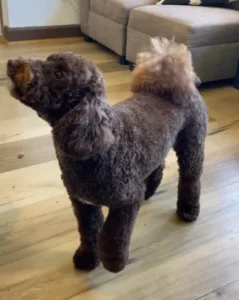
column 32, row 184
column 21, row 154
column 227, row 292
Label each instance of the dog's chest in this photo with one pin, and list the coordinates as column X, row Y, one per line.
column 85, row 182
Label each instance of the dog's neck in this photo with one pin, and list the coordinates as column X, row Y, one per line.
column 87, row 100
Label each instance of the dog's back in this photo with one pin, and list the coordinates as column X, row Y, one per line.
column 165, row 104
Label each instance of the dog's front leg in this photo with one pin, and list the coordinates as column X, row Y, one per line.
column 115, row 237
column 90, row 221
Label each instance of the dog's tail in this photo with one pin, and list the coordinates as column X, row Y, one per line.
column 165, row 69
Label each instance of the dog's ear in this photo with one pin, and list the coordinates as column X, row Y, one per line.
column 85, row 131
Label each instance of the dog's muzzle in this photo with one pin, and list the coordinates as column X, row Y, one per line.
column 20, row 72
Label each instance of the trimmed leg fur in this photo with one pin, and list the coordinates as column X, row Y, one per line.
column 153, row 181
column 115, row 237
column 90, row 221
column 190, row 152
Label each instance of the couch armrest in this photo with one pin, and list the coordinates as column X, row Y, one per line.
column 84, row 14
column 85, row 9
column 137, row 3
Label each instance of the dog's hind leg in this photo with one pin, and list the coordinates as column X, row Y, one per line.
column 190, row 151
column 153, row 181
column 90, row 221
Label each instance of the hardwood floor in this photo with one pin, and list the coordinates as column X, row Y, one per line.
column 170, row 260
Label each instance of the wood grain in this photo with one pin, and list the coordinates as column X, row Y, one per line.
column 170, row 260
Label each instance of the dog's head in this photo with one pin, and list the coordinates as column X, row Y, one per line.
column 56, row 85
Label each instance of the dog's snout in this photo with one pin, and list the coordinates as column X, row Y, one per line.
column 10, row 63
column 13, row 64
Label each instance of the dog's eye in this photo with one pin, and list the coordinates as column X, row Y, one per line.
column 58, row 75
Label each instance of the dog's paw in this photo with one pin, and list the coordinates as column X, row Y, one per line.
column 86, row 261
column 188, row 213
column 114, row 263
column 187, row 217
column 147, row 197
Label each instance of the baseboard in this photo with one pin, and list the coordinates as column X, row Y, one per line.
column 2, row 41
column 37, row 33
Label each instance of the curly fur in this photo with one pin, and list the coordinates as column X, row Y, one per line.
column 165, row 69
column 114, row 156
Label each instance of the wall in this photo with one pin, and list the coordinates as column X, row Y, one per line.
column 27, row 13
column 4, row 12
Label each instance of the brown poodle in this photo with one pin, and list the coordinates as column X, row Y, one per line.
column 114, row 156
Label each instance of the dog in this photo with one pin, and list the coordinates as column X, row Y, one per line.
column 114, row 156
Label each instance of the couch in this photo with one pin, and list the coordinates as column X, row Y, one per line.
column 126, row 26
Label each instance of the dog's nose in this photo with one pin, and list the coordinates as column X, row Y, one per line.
column 13, row 67
column 13, row 64
column 10, row 63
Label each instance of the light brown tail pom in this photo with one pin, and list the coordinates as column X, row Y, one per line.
column 166, row 68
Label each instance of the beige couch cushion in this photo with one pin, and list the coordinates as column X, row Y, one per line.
column 117, row 10
column 195, row 26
